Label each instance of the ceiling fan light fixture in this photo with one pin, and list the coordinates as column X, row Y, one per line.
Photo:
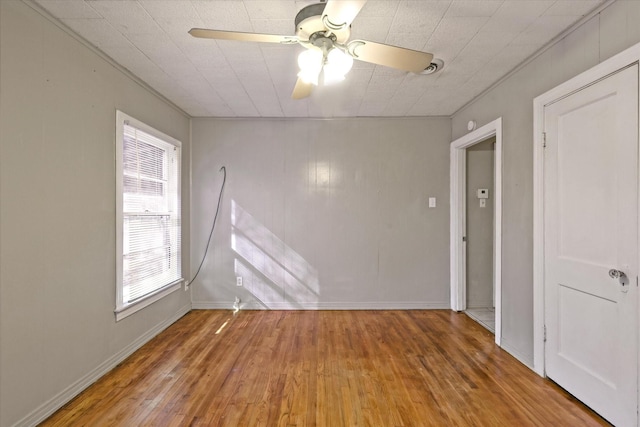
column 337, row 66
column 309, row 76
column 332, row 75
column 340, row 60
column 310, row 63
column 310, row 59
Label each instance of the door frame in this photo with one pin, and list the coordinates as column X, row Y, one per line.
column 598, row 72
column 458, row 176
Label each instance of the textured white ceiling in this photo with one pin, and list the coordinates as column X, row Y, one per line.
column 479, row 40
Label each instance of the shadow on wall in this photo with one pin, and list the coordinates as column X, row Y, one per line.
column 276, row 275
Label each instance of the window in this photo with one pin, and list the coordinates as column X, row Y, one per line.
column 148, row 254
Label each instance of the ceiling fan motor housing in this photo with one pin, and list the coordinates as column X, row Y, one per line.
column 310, row 26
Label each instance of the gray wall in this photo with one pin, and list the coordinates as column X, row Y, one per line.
column 322, row 213
column 480, row 225
column 57, row 216
column 614, row 29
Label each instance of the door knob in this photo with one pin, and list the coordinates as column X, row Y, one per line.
column 616, row 274
column 622, row 278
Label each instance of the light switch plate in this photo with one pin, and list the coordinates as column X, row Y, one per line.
column 432, row 202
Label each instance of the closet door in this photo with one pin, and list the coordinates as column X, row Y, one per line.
column 591, row 245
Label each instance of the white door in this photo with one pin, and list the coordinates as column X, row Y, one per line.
column 591, row 234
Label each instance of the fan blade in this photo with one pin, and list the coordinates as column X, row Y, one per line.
column 390, row 56
column 301, row 90
column 338, row 14
column 240, row 36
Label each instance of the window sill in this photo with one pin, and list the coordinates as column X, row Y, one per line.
column 129, row 309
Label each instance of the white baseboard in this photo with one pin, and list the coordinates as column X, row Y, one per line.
column 482, row 304
column 255, row 305
column 59, row 400
column 517, row 354
column 201, row 305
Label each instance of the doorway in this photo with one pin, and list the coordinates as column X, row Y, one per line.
column 458, row 220
column 480, row 292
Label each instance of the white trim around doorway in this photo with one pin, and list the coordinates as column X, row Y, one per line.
column 457, row 220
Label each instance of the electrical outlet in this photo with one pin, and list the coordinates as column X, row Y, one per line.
column 239, row 281
column 186, row 285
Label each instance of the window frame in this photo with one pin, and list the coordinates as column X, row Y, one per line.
column 123, row 309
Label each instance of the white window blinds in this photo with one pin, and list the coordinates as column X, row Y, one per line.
column 150, row 214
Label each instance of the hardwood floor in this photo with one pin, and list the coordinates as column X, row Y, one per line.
column 323, row 368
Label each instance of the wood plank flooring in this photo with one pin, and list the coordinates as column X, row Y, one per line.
column 323, row 368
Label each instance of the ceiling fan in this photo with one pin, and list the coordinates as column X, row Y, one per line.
column 324, row 30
